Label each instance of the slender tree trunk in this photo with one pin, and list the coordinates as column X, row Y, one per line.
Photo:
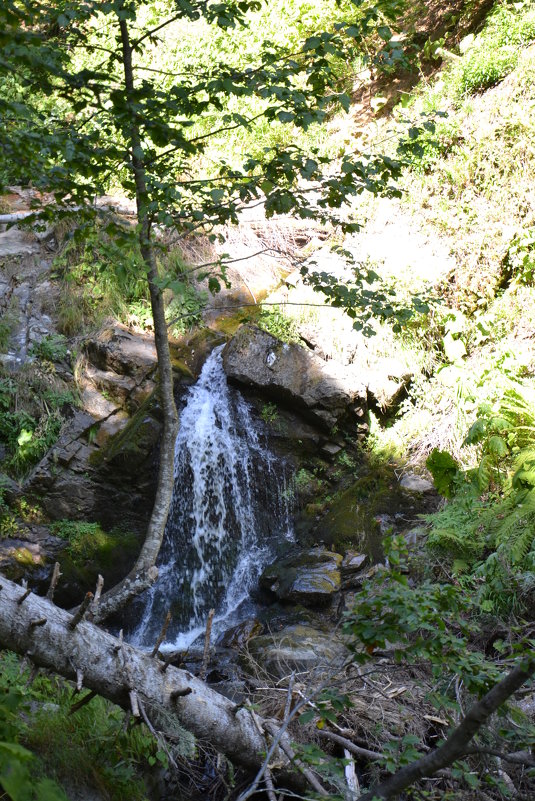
column 144, row 572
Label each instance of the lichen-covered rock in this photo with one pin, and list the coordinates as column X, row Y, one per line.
column 413, row 483
column 288, row 372
column 311, row 578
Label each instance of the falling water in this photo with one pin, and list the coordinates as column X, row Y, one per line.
column 230, row 505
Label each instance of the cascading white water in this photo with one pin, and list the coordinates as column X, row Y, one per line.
column 230, row 504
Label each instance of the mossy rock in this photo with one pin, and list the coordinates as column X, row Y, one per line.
column 90, row 551
column 298, row 648
column 189, row 354
column 130, row 447
column 361, row 515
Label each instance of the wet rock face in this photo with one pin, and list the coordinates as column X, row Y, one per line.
column 311, row 578
column 324, row 391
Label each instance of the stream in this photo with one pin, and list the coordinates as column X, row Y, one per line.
column 230, row 507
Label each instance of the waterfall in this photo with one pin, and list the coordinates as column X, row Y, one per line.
column 230, row 505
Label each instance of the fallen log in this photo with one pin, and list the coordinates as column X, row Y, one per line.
column 54, row 638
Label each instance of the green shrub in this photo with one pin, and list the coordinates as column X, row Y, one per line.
column 86, row 540
column 88, row 750
column 185, row 309
column 6, row 327
column 52, row 348
column 275, row 322
column 487, row 528
column 99, row 279
column 519, row 262
column 496, row 50
column 485, row 69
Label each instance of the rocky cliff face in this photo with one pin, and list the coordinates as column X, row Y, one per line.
column 323, row 391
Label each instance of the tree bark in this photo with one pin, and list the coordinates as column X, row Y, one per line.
column 145, row 572
column 116, row 670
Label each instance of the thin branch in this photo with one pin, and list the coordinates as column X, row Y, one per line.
column 148, row 34
column 271, row 750
column 350, row 746
column 206, row 652
column 199, row 138
column 56, row 574
column 82, row 702
column 519, row 758
column 163, row 632
column 307, row 773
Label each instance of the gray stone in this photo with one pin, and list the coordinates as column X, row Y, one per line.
column 414, row 483
column 330, row 449
column 352, row 562
column 118, row 350
column 326, row 391
column 10, row 489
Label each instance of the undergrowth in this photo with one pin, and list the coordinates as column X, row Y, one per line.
column 472, row 178
column 486, row 530
column 87, row 540
column 91, row 749
column 33, row 406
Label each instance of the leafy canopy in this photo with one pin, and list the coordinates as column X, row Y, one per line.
column 68, row 119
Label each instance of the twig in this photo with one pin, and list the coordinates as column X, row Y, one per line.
column 271, row 750
column 134, row 703
column 163, row 632
column 39, row 622
column 77, row 617
column 270, row 788
column 24, row 596
column 98, row 592
column 458, row 741
column 159, row 739
column 180, row 693
column 289, row 697
column 352, row 781
column 79, row 680
column 307, row 773
column 347, row 744
column 56, row 574
column 82, row 702
column 518, row 758
column 33, row 675
column 206, row 653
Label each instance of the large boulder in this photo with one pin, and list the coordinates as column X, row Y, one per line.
column 120, row 351
column 287, row 372
column 311, row 578
column 297, row 648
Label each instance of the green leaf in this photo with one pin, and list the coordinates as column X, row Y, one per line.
column 484, row 473
column 497, row 447
column 444, row 470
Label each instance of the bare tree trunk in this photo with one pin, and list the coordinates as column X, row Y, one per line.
column 37, row 628
column 144, row 572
